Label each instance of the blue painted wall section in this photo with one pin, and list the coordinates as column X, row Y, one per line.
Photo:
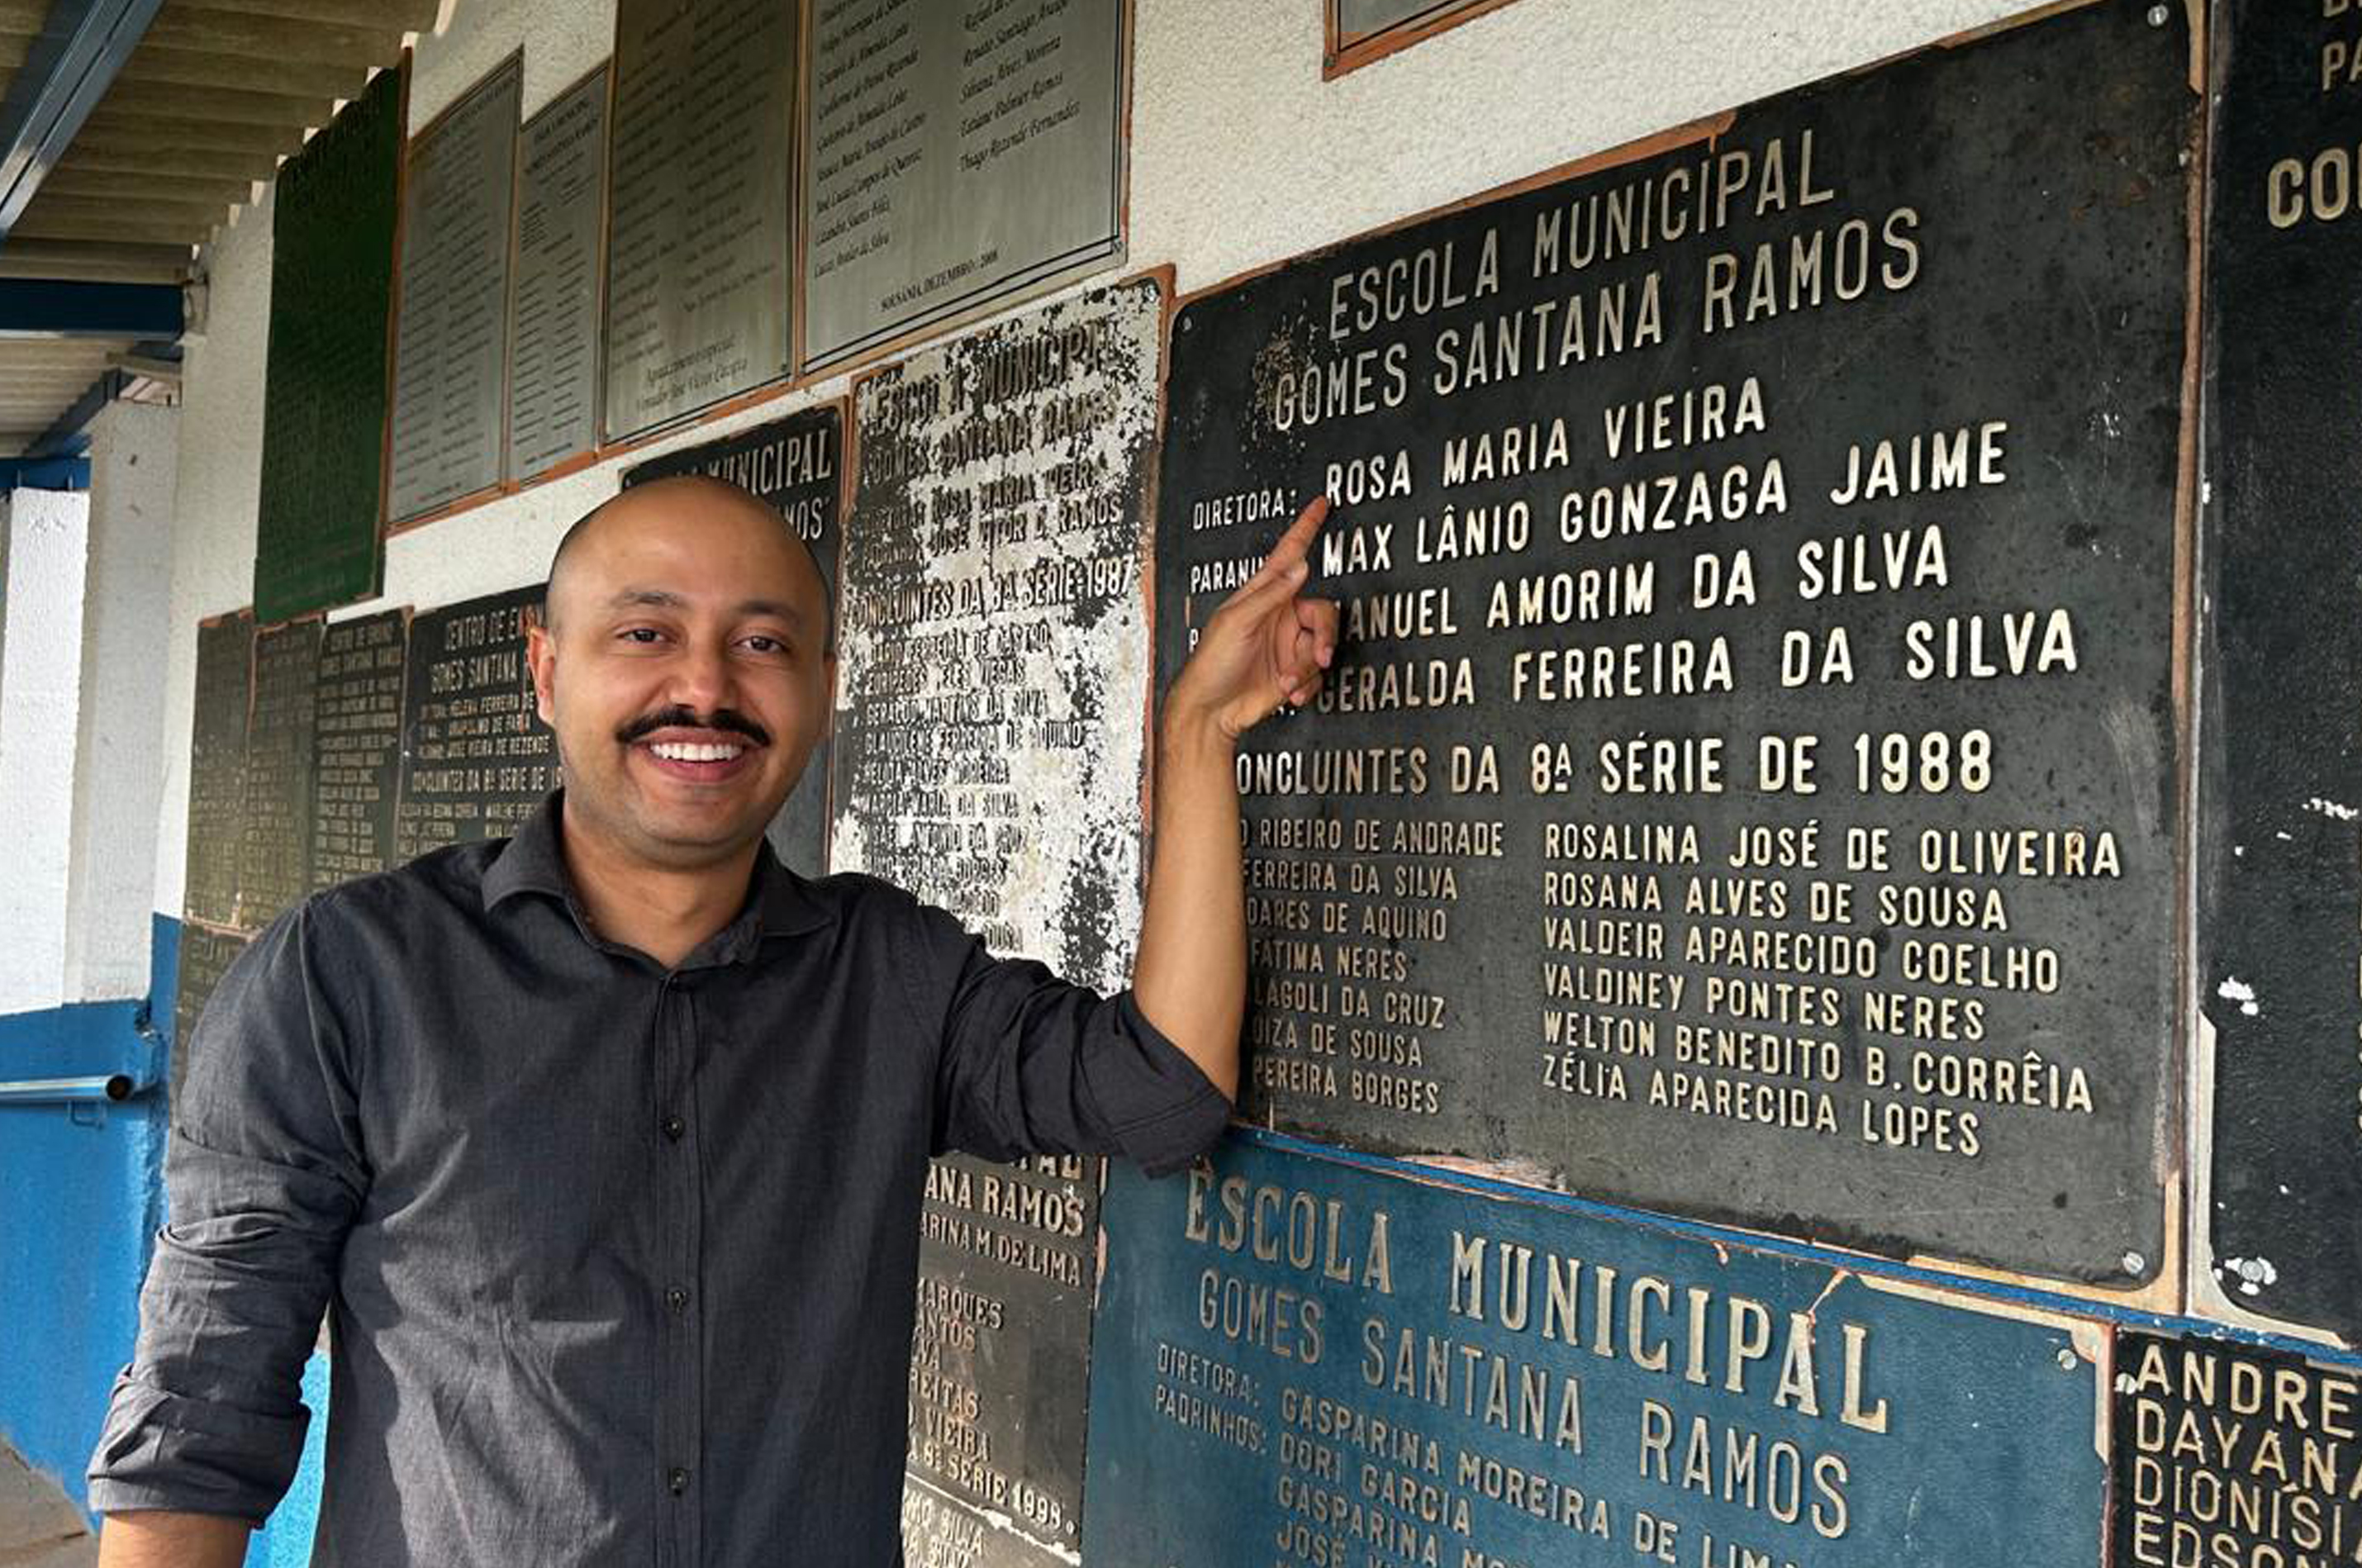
column 1299, row 1361
column 80, row 1195
column 286, row 1541
column 81, row 1200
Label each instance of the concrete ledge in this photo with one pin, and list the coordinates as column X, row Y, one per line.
column 39, row 1527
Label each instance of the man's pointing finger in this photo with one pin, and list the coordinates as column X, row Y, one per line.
column 1297, row 543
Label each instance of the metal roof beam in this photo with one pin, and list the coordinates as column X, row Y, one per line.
column 67, row 438
column 43, row 473
column 31, row 307
column 66, row 72
column 105, row 261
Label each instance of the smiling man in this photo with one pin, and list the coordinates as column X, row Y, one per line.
column 604, row 1146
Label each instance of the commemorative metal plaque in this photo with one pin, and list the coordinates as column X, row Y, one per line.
column 698, row 230
column 554, row 336
column 993, row 683
column 999, row 1362
column 333, row 207
column 206, row 955
column 225, row 691
column 1358, row 24
column 993, row 680
column 1746, row 785
column 797, row 465
column 960, row 154
column 2234, row 1453
column 1302, row 1362
column 451, row 340
column 356, row 746
column 275, row 829
column 2281, row 786
column 476, row 759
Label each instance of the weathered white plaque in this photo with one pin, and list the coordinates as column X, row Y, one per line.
column 994, row 674
column 960, row 155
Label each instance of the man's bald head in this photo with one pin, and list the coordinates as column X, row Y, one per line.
column 649, row 505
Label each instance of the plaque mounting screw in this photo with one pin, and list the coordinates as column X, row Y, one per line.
column 2134, row 1263
column 2066, row 1359
column 2158, row 15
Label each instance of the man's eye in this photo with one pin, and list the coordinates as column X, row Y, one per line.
column 763, row 645
column 642, row 635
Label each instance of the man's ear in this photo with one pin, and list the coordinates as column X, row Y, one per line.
column 541, row 658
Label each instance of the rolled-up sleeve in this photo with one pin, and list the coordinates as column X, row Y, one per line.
column 262, row 1178
column 1032, row 1064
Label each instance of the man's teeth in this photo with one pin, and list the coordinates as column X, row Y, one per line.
column 681, row 751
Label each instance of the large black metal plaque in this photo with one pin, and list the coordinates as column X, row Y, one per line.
column 2229, row 1453
column 698, row 227
column 1746, row 785
column 356, row 746
column 797, row 465
column 275, row 830
column 1001, row 1360
column 324, row 396
column 451, row 346
column 206, row 955
column 992, row 685
column 554, row 338
column 1300, row 1364
column 476, row 759
column 225, row 691
column 2281, row 889
column 959, row 154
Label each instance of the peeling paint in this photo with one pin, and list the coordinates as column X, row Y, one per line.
column 2251, row 1274
column 995, row 656
column 2344, row 813
column 2238, row 990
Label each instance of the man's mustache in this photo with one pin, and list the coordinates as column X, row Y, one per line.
column 683, row 718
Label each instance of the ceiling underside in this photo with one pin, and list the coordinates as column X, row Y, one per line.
column 214, row 95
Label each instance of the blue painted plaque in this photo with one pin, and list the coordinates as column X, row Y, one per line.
column 1300, row 1362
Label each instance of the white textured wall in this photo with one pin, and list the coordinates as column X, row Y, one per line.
column 1240, row 156
column 219, row 473
column 39, row 682
column 118, row 763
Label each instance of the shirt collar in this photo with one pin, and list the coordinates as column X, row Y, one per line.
column 781, row 903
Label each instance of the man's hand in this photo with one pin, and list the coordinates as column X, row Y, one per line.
column 1266, row 647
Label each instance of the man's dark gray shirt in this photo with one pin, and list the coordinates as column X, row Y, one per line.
column 621, row 1263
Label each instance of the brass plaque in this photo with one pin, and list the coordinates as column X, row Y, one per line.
column 225, row 691
column 698, row 228
column 275, row 832
column 554, row 336
column 450, row 358
column 959, row 155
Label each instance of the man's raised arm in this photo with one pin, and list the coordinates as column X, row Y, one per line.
column 1263, row 650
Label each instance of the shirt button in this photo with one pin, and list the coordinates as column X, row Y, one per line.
column 677, row 1299
column 674, row 1127
column 678, row 1480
